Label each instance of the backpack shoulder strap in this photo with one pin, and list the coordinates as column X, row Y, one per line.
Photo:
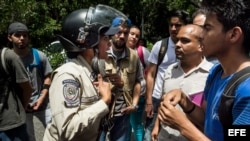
column 38, row 61
column 2, row 59
column 140, row 54
column 163, row 50
column 36, row 55
column 236, row 80
column 228, row 95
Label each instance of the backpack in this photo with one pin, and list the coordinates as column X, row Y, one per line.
column 3, row 65
column 141, row 56
column 38, row 62
column 162, row 52
column 228, row 95
column 5, row 79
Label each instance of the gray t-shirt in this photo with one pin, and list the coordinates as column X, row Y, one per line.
column 12, row 113
column 37, row 73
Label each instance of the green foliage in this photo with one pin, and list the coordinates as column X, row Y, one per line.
column 44, row 17
column 150, row 46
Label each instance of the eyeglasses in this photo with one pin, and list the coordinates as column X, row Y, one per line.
column 18, row 35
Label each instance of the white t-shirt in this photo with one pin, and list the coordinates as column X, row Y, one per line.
column 168, row 59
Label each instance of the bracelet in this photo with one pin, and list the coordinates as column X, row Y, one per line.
column 46, row 86
column 191, row 110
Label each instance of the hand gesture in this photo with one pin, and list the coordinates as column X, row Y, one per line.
column 103, row 89
column 171, row 116
column 168, row 113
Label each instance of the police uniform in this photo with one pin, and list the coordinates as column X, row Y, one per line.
column 75, row 104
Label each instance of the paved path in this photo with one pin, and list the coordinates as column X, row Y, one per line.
column 39, row 129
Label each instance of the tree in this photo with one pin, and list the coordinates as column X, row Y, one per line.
column 44, row 17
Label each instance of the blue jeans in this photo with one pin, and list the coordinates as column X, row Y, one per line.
column 149, row 125
column 43, row 115
column 120, row 130
column 137, row 121
column 16, row 134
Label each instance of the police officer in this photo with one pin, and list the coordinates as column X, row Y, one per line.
column 79, row 96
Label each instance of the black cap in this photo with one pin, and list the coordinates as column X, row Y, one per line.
column 17, row 27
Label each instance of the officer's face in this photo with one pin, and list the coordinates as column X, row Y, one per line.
column 103, row 47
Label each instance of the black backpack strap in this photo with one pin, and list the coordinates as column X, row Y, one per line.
column 228, row 95
column 236, row 80
column 162, row 52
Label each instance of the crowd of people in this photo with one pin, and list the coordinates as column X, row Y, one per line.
column 112, row 88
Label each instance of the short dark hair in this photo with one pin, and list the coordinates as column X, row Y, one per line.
column 144, row 41
column 231, row 13
column 198, row 12
column 183, row 15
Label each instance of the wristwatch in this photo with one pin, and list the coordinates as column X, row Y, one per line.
column 134, row 106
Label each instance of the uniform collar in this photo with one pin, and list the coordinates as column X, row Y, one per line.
column 83, row 62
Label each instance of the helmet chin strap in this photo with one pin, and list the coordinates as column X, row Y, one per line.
column 98, row 67
column 96, row 51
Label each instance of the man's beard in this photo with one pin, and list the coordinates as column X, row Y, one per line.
column 21, row 47
column 119, row 45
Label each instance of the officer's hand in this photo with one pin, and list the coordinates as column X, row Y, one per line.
column 103, row 89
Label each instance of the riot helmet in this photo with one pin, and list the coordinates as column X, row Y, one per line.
column 82, row 28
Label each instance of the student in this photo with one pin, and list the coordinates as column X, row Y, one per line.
column 15, row 92
column 226, row 37
column 137, row 117
column 155, row 71
column 39, row 70
column 199, row 18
